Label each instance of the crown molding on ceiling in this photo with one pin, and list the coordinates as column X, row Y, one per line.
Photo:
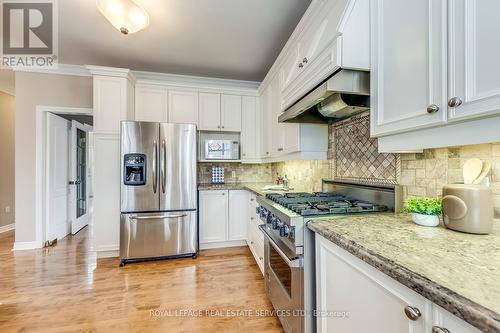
column 111, row 71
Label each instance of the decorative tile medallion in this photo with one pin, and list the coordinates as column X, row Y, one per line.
column 356, row 156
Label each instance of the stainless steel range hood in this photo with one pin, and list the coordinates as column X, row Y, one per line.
column 343, row 95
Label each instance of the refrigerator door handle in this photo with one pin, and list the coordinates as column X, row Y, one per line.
column 163, row 162
column 155, row 176
column 160, row 217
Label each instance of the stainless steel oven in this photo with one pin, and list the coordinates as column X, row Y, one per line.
column 284, row 275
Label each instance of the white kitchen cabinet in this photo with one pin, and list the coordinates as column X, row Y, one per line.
column 473, row 58
column 408, row 76
column 209, row 112
column 223, row 218
column 335, row 35
column 250, row 130
column 183, row 106
column 277, row 132
column 238, row 215
column 375, row 303
column 444, row 319
column 230, row 114
column 255, row 237
column 267, row 122
column 151, row 103
column 213, row 216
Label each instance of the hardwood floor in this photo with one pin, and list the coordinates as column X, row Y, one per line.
column 65, row 289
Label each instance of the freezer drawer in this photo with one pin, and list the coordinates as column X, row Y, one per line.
column 154, row 235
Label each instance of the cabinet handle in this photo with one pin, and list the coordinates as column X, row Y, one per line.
column 222, row 126
column 437, row 329
column 223, row 193
column 305, row 60
column 412, row 313
column 252, row 218
column 260, row 258
column 251, row 199
column 454, row 102
column 267, row 153
column 433, row 108
column 251, row 242
column 280, row 149
column 244, row 154
column 218, row 126
column 301, row 65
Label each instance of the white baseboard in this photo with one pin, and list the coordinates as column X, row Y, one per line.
column 218, row 245
column 107, row 251
column 26, row 246
column 6, row 228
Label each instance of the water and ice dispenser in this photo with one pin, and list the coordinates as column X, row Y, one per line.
column 134, row 169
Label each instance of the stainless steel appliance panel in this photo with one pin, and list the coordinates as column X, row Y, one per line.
column 284, row 278
column 140, row 138
column 154, row 235
column 222, row 150
column 177, row 147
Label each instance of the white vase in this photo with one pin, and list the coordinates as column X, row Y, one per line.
column 425, row 220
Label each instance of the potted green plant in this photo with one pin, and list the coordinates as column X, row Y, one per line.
column 425, row 211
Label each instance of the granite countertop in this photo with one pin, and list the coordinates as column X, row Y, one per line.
column 457, row 271
column 252, row 187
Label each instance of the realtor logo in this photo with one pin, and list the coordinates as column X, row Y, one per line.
column 29, row 33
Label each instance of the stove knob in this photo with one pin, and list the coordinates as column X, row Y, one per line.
column 275, row 223
column 284, row 231
column 280, row 224
column 291, row 233
column 270, row 218
column 257, row 210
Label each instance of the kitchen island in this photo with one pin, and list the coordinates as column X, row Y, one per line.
column 459, row 272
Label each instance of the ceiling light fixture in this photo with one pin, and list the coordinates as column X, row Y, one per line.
column 124, row 15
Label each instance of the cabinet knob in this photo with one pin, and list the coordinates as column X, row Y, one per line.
column 301, row 65
column 267, row 153
column 412, row 313
column 222, row 126
column 454, row 102
column 437, row 329
column 223, row 193
column 433, row 108
column 251, row 242
column 280, row 149
column 244, row 154
column 260, row 258
column 251, row 199
column 218, row 126
column 252, row 218
column 305, row 60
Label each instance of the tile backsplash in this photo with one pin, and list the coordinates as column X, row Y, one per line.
column 424, row 174
column 243, row 172
column 303, row 175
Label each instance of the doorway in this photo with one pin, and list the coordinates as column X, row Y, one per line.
column 69, row 174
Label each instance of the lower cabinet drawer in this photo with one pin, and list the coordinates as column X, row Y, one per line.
column 256, row 244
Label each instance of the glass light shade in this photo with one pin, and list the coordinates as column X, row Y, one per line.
column 124, row 15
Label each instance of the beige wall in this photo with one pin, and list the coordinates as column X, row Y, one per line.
column 244, row 172
column 303, row 175
column 7, row 157
column 32, row 90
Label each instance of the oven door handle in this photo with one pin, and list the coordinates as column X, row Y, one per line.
column 293, row 263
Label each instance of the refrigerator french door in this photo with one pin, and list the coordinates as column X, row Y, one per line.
column 158, row 191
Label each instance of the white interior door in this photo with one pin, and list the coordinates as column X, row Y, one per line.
column 78, row 206
column 58, row 130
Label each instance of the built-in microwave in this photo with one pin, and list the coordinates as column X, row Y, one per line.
column 216, row 149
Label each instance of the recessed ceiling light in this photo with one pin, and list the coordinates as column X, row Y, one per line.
column 125, row 15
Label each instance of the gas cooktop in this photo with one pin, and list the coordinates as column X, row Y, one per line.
column 323, row 203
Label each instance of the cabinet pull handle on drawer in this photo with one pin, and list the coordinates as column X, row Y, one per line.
column 437, row 329
column 412, row 313
column 433, row 108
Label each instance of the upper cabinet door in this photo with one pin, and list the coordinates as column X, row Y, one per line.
column 209, row 114
column 408, row 76
column 151, row 104
column 474, row 72
column 291, row 67
column 250, row 133
column 231, row 113
column 183, row 106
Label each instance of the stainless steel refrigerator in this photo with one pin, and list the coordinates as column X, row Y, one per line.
column 158, row 191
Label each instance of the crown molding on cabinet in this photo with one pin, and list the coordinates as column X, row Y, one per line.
column 111, row 71
column 303, row 23
column 164, row 79
column 61, row 69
